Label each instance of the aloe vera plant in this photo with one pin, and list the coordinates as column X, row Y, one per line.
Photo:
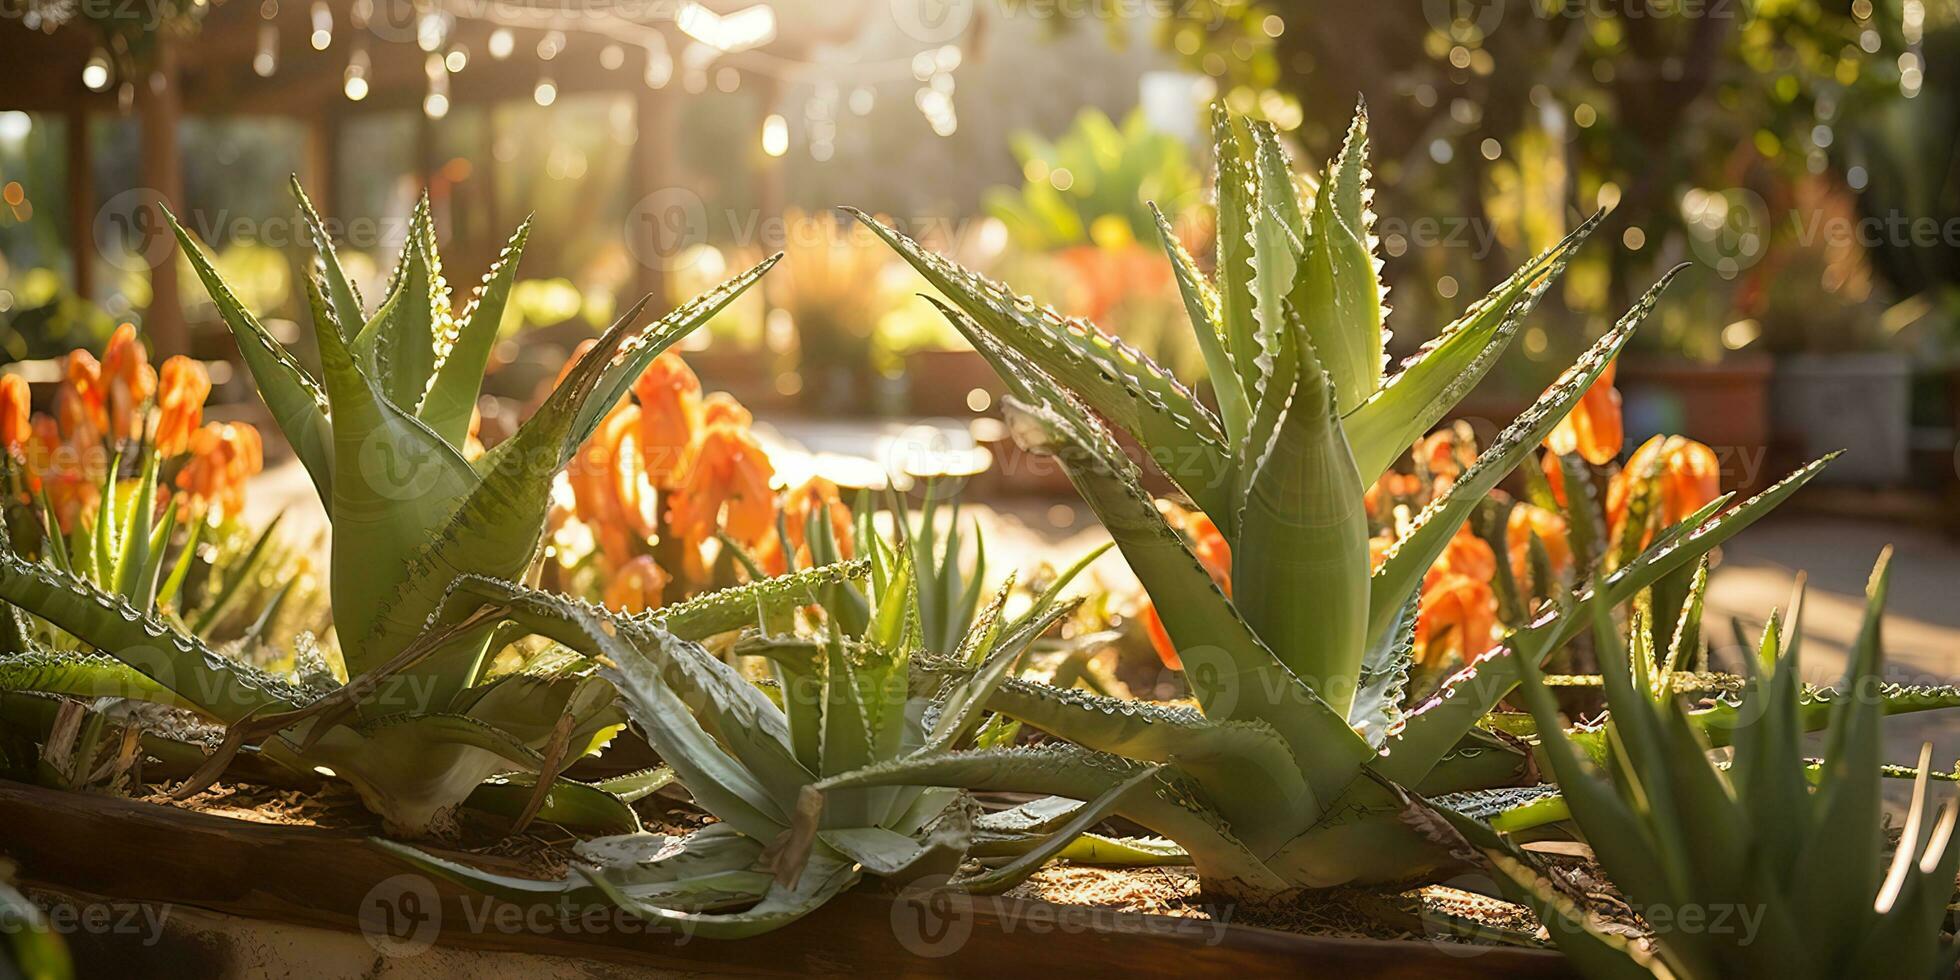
column 1280, row 779
column 843, row 698
column 419, row 723
column 1793, row 850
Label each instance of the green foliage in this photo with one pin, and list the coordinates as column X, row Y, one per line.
column 1090, row 184
column 1798, row 850
column 418, row 724
column 1280, row 780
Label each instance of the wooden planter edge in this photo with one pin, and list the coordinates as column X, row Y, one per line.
column 124, row 850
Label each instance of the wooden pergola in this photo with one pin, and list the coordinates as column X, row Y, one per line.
column 210, row 72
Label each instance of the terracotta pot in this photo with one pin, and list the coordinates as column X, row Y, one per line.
column 110, row 853
column 1724, row 406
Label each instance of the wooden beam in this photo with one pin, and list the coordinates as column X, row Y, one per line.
column 162, row 176
column 651, row 172
column 81, row 202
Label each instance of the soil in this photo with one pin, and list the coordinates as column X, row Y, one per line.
column 1433, row 912
column 545, row 851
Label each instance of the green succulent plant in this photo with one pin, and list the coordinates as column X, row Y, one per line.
column 1791, row 853
column 844, row 697
column 419, row 723
column 1281, row 779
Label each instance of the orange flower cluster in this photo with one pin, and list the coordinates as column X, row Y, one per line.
column 698, row 456
column 1459, row 609
column 104, row 404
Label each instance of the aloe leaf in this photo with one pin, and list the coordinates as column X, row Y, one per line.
column 1384, row 678
column 134, row 561
column 1438, row 376
column 494, row 528
column 1338, row 290
column 451, row 398
column 1246, row 768
column 745, row 605
column 1067, row 770
column 82, row 675
column 645, row 345
column 1085, row 818
column 1435, row 727
column 298, row 404
column 221, row 688
column 1596, row 951
column 1201, row 304
column 1303, row 531
column 1231, row 671
column 1840, row 856
column 569, row 803
column 167, row 592
column 397, row 346
column 395, row 484
column 144, row 596
column 1237, row 300
column 759, row 773
column 1410, row 557
column 236, row 575
column 1115, row 379
column 780, row 905
column 341, row 291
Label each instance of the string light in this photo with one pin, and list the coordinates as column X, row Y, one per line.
column 435, row 104
column 266, row 60
column 775, row 135
column 546, row 93
column 322, row 25
column 660, row 64
column 457, row 59
column 356, row 82
column 502, row 43
column 95, row 72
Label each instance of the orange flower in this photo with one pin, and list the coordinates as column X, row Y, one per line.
column 80, row 404
column 637, row 586
column 1467, row 555
column 128, row 381
column 726, row 467
column 16, row 422
column 1526, row 520
column 1392, row 488
column 1457, row 618
column 1215, row 554
column 224, row 455
column 1688, row 474
column 816, row 495
column 670, row 414
column 63, row 472
column 1592, row 429
column 180, row 404
column 721, row 408
column 606, row 488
